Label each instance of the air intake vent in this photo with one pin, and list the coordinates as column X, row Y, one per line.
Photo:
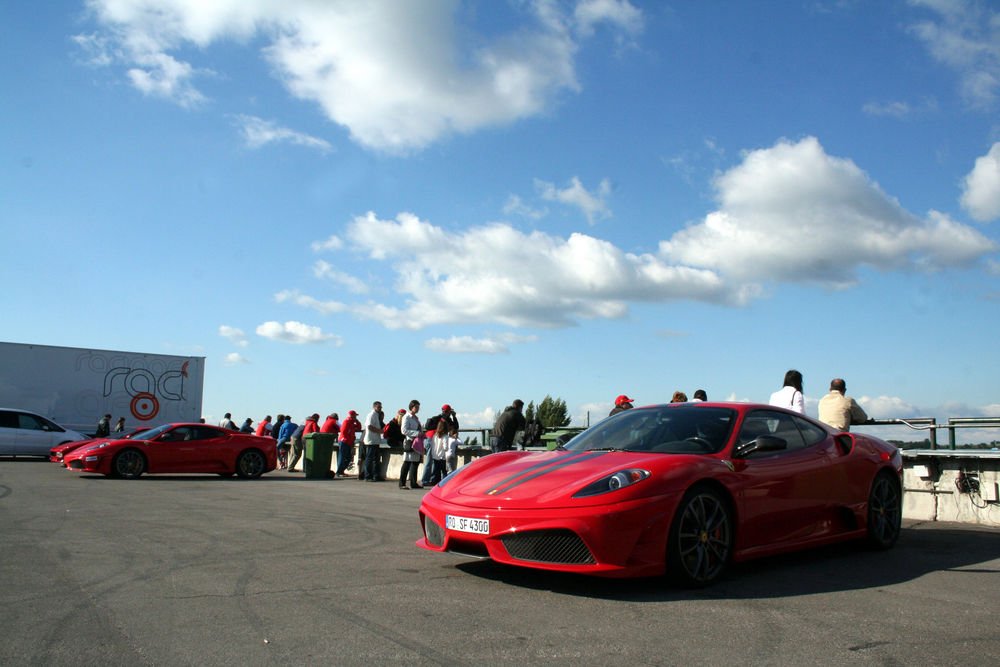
column 434, row 532
column 548, row 546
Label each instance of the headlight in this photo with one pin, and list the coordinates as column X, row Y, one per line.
column 619, row 480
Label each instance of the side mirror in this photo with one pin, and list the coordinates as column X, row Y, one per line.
column 762, row 443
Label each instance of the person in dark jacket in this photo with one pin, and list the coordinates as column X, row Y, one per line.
column 288, row 427
column 103, row 427
column 308, row 426
column 508, row 424
column 622, row 403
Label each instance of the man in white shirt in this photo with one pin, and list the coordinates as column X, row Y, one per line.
column 838, row 410
column 374, row 423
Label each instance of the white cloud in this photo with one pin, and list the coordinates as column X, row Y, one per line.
column 498, row 344
column 981, row 192
column 235, row 359
column 516, row 206
column 898, row 109
column 236, row 336
column 467, row 345
column 482, row 419
column 163, row 76
column 510, row 338
column 397, row 75
column 96, row 49
column 296, row 332
column 620, row 13
column 258, row 132
column 965, row 35
column 333, row 242
column 792, row 213
column 299, row 299
column 788, row 214
column 497, row 274
column 887, row 407
column 326, row 271
column 593, row 205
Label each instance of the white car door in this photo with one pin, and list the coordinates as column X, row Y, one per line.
column 34, row 437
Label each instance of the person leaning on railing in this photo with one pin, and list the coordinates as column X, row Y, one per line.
column 838, row 410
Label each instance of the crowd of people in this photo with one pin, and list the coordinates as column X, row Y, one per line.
column 435, row 442
column 836, row 409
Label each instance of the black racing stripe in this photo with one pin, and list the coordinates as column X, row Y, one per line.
column 521, row 479
column 559, row 461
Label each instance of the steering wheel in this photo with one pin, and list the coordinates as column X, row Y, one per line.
column 702, row 442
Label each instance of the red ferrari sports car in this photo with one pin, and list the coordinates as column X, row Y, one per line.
column 177, row 448
column 59, row 452
column 682, row 489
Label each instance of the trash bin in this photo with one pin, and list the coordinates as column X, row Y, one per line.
column 319, row 454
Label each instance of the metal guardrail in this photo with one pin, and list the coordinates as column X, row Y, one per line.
column 930, row 424
column 916, row 423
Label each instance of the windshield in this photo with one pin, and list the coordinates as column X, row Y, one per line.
column 151, row 433
column 676, row 429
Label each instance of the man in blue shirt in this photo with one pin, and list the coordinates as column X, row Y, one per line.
column 285, row 435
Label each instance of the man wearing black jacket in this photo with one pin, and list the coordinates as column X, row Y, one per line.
column 508, row 424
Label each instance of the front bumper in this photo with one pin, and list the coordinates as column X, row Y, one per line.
column 627, row 539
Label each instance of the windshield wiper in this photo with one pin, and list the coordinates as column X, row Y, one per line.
column 608, row 449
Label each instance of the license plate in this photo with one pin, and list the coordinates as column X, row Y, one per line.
column 466, row 525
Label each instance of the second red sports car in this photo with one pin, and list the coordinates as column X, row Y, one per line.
column 59, row 452
column 177, row 448
column 682, row 489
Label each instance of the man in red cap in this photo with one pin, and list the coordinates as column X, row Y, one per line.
column 622, row 403
column 349, row 429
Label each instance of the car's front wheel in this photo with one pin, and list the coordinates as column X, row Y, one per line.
column 128, row 464
column 885, row 511
column 250, row 464
column 701, row 538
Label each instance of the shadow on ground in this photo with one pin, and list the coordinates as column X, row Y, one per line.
column 843, row 567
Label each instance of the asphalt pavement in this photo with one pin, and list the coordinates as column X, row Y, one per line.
column 202, row 570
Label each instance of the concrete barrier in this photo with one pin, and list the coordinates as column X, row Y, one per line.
column 952, row 485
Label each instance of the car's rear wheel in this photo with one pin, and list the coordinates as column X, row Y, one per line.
column 128, row 464
column 701, row 538
column 250, row 464
column 885, row 511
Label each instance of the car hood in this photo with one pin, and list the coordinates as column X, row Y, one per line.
column 547, row 479
column 97, row 444
column 74, row 444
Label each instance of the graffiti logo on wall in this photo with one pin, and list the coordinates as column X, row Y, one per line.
column 144, row 387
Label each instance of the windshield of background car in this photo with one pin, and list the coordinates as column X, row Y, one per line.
column 677, row 429
column 151, row 433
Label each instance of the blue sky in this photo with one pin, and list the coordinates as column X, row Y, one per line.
column 460, row 202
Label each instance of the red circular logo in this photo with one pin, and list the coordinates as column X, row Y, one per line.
column 144, row 406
